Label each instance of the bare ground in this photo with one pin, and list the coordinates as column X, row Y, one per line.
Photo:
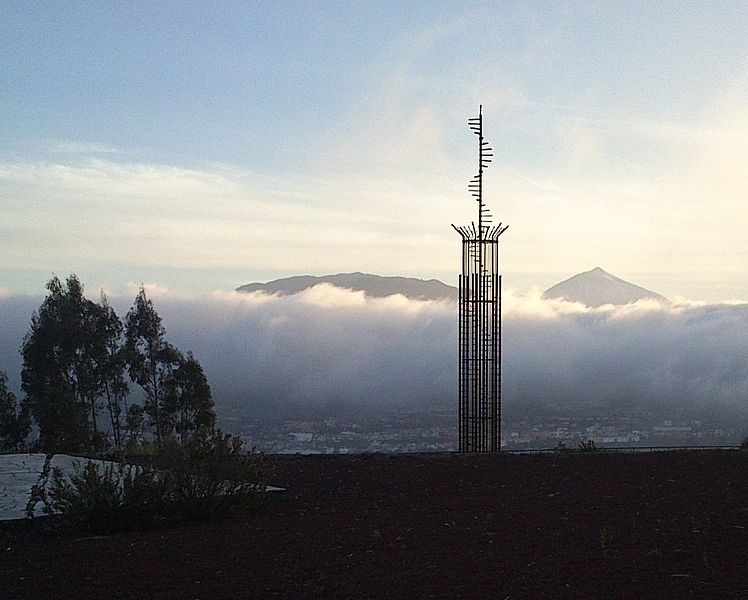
column 576, row 525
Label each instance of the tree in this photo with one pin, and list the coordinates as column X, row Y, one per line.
column 134, row 423
column 151, row 361
column 14, row 423
column 112, row 362
column 76, row 358
column 189, row 401
column 61, row 377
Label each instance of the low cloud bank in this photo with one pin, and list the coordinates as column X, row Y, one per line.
column 680, row 359
column 333, row 348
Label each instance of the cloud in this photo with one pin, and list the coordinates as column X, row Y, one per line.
column 270, row 355
column 595, row 186
column 89, row 215
column 680, row 358
column 77, row 147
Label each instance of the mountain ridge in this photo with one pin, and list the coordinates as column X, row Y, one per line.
column 374, row 286
column 592, row 288
column 597, row 287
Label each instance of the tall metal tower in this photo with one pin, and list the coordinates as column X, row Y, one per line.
column 480, row 319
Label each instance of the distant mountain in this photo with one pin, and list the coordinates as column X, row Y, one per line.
column 597, row 287
column 373, row 286
column 592, row 288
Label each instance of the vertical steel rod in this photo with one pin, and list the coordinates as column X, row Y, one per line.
column 479, row 320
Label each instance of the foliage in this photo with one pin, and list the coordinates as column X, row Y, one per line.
column 112, row 498
column 77, row 357
column 583, row 446
column 112, row 359
column 151, row 361
column 134, row 424
column 188, row 401
column 65, row 366
column 14, row 422
column 211, row 474
column 208, row 475
column 39, row 489
column 588, row 446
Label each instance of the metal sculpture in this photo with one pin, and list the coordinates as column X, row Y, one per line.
column 480, row 319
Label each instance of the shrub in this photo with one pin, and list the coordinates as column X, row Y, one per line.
column 588, row 446
column 208, row 475
column 145, row 497
column 106, row 499
column 211, row 475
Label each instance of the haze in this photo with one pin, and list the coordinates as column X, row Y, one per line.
column 342, row 351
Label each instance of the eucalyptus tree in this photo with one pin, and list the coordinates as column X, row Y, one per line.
column 151, row 362
column 112, row 361
column 61, row 377
column 14, row 422
column 76, row 358
column 189, row 402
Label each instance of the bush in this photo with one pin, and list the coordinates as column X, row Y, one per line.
column 588, row 446
column 112, row 498
column 211, row 475
column 145, row 497
column 208, row 475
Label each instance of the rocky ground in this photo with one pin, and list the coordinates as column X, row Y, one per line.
column 574, row 525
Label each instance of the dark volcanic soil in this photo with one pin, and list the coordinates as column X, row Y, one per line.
column 581, row 525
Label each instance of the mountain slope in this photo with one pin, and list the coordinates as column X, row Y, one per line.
column 373, row 286
column 597, row 287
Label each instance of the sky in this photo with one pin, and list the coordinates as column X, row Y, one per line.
column 199, row 146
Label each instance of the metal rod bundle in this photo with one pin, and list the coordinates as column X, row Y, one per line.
column 480, row 319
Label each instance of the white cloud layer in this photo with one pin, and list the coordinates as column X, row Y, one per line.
column 269, row 354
